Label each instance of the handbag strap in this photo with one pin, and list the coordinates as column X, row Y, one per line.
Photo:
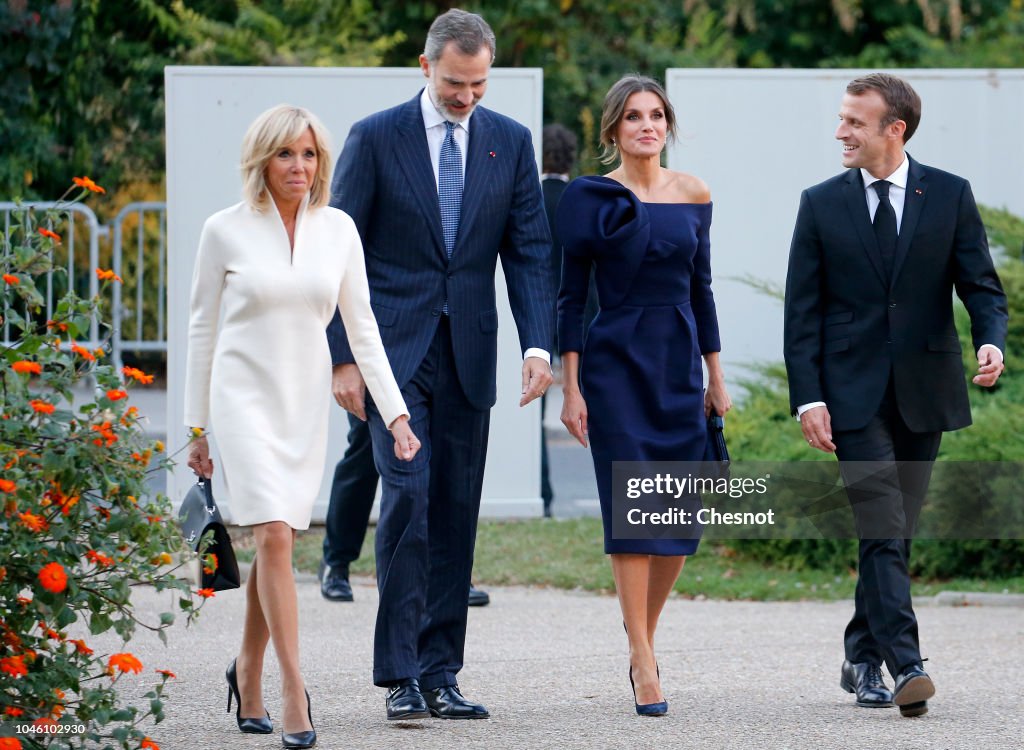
column 207, row 485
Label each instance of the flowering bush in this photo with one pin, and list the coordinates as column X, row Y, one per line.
column 78, row 525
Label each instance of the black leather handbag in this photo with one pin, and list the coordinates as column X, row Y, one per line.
column 716, row 453
column 199, row 515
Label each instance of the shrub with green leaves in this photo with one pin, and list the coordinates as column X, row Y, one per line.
column 78, row 525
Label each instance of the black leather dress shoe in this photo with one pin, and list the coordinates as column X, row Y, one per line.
column 334, row 585
column 866, row 681
column 448, row 703
column 478, row 598
column 405, row 702
column 913, row 689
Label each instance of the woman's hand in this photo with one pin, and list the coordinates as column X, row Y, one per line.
column 407, row 445
column 199, row 457
column 574, row 414
column 717, row 398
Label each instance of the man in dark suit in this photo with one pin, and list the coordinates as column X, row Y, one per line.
column 439, row 189
column 873, row 357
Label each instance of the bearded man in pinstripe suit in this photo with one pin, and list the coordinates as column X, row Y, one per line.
column 439, row 189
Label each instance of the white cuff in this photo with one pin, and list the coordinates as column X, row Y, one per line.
column 535, row 352
column 807, row 407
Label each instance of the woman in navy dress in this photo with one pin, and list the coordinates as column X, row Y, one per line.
column 643, row 229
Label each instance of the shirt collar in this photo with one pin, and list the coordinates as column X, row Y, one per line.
column 432, row 118
column 897, row 178
column 555, row 176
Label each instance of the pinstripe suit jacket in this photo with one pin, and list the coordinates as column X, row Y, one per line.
column 384, row 180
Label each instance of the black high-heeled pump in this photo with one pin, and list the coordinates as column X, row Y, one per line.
column 301, row 739
column 647, row 709
column 260, row 725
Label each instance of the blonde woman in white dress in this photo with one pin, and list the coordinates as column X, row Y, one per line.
column 269, row 274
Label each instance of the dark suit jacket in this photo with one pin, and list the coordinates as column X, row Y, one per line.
column 384, row 180
column 847, row 330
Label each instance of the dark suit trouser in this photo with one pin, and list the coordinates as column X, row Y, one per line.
column 352, row 493
column 886, row 469
column 427, row 527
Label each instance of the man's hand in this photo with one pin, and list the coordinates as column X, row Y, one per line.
column 817, row 426
column 990, row 366
column 536, row 379
column 349, row 389
column 199, row 457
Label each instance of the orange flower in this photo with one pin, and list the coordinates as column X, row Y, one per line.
column 167, row 673
column 24, row 366
column 83, row 353
column 11, row 278
column 206, row 593
column 52, row 324
column 124, row 662
column 148, row 744
column 162, row 559
column 137, row 374
column 6, row 485
column 116, row 394
column 47, row 233
column 210, row 565
column 14, row 711
column 41, row 406
column 80, row 647
column 53, row 578
column 33, row 522
column 10, row 743
column 158, row 446
column 106, row 275
column 98, row 558
column 14, row 666
column 88, row 184
column 105, row 432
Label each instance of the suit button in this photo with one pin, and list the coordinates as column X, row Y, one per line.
column 892, row 305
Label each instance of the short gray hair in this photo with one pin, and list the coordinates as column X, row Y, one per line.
column 470, row 32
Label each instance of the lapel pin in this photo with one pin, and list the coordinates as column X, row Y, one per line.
column 919, row 191
column 491, row 154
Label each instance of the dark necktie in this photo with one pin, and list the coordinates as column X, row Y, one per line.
column 449, row 191
column 885, row 225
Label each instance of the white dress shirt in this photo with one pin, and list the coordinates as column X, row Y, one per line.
column 434, row 123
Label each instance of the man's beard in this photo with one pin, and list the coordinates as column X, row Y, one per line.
column 441, row 106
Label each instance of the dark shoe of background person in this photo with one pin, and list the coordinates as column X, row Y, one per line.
column 306, row 738
column 334, row 585
column 865, row 680
column 913, row 689
column 259, row 725
column 405, row 701
column 477, row 597
column 449, row 703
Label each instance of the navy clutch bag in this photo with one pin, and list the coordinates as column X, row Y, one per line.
column 716, row 453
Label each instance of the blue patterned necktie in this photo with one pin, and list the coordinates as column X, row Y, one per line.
column 885, row 226
column 449, row 191
column 449, row 187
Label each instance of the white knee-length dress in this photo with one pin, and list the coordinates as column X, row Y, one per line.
column 259, row 366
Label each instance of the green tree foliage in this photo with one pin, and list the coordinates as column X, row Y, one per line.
column 83, row 81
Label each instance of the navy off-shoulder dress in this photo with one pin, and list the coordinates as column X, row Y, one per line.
column 641, row 365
